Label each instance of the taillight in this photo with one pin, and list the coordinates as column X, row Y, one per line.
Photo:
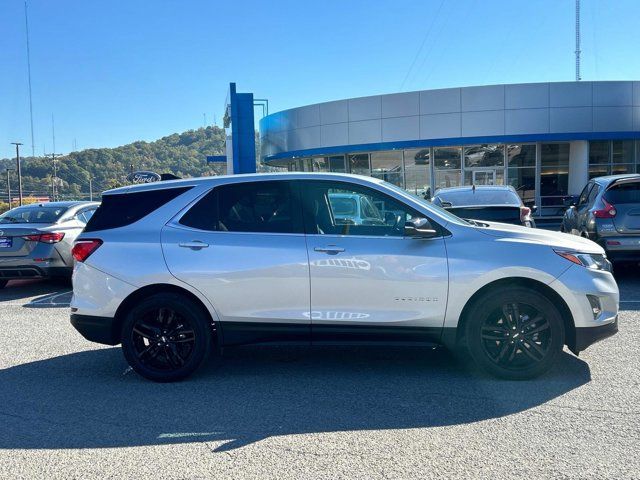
column 524, row 214
column 83, row 248
column 609, row 211
column 53, row 237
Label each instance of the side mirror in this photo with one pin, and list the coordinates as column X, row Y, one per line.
column 419, row 228
column 571, row 201
column 445, row 204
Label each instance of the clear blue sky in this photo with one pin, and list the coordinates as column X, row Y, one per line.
column 118, row 71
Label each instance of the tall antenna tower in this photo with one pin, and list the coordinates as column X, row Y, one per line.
column 578, row 77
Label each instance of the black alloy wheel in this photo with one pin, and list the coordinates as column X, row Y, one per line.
column 162, row 339
column 514, row 332
column 516, row 336
column 166, row 337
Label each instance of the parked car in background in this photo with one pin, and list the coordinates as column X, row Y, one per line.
column 174, row 270
column 36, row 239
column 494, row 203
column 608, row 212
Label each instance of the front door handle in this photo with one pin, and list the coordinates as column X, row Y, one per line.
column 330, row 250
column 195, row 245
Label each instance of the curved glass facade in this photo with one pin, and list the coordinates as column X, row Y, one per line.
column 538, row 171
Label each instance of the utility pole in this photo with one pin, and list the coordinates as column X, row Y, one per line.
column 17, row 144
column 26, row 24
column 54, row 178
column 90, row 189
column 9, row 187
column 578, row 51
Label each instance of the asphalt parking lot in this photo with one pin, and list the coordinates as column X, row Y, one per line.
column 70, row 409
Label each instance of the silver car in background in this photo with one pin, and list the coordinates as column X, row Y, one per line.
column 36, row 239
column 177, row 269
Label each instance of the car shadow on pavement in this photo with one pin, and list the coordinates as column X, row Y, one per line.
column 47, row 293
column 84, row 400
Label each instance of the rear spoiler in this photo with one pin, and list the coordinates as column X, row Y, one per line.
column 622, row 181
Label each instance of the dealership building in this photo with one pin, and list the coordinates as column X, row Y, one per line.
column 544, row 139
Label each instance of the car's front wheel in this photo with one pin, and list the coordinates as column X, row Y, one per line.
column 166, row 337
column 514, row 333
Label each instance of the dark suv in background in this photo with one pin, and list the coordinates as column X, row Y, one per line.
column 608, row 212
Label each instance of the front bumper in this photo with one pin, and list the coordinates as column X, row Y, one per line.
column 96, row 329
column 586, row 336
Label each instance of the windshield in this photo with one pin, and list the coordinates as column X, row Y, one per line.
column 431, row 206
column 33, row 214
column 465, row 197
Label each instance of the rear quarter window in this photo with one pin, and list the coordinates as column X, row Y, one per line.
column 123, row 209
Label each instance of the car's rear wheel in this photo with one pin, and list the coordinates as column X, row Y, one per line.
column 514, row 333
column 3, row 283
column 166, row 337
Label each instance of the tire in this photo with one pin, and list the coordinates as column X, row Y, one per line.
column 166, row 337
column 3, row 283
column 497, row 343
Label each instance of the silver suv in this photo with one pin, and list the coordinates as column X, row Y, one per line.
column 177, row 269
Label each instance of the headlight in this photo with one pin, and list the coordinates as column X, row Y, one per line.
column 594, row 261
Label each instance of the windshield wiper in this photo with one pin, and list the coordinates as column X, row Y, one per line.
column 9, row 220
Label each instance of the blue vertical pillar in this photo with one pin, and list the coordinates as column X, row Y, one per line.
column 241, row 129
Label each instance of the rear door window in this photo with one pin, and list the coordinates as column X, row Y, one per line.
column 119, row 210
column 259, row 207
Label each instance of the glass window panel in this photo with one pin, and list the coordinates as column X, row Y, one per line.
column 359, row 164
column 447, row 157
column 521, row 155
column 554, row 181
column 388, row 166
column 320, row 164
column 417, row 171
column 484, row 156
column 622, row 151
column 337, row 164
column 599, row 171
column 484, row 177
column 524, row 181
column 598, row 152
column 555, row 155
column 617, row 168
column 447, row 178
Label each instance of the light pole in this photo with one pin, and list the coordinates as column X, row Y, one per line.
column 17, row 144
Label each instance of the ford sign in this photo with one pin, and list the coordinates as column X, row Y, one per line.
column 143, row 177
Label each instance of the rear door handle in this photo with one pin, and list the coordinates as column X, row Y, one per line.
column 195, row 245
column 330, row 250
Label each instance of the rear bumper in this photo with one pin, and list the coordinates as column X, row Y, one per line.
column 96, row 329
column 32, row 271
column 586, row 336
